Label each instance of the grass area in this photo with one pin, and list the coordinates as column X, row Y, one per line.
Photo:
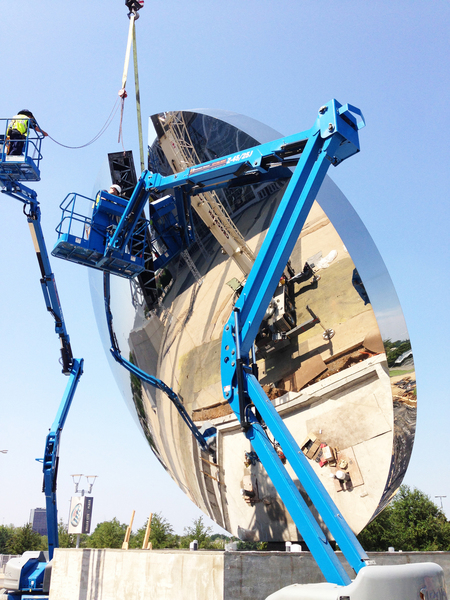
column 397, row 372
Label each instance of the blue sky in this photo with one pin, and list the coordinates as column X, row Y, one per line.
column 278, row 63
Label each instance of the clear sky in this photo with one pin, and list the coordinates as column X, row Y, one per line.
column 277, row 62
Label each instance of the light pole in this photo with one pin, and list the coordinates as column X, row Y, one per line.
column 90, row 479
column 3, row 452
column 441, row 500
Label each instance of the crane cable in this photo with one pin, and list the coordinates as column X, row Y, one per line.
column 108, row 122
column 122, row 96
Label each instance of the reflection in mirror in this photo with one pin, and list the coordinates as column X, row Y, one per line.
column 333, row 351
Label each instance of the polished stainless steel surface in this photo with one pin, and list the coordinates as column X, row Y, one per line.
column 345, row 378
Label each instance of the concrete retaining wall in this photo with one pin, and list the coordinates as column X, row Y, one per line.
column 88, row 574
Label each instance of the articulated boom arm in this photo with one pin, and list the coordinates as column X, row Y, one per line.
column 142, row 375
column 270, row 161
column 108, row 240
column 51, row 455
column 28, row 197
column 327, row 144
column 335, row 135
column 12, row 172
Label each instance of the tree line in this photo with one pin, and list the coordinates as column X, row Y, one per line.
column 412, row 522
column 111, row 534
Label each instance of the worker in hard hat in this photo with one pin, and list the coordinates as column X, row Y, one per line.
column 115, row 190
column 18, row 131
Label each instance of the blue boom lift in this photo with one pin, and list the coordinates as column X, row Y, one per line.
column 113, row 238
column 25, row 575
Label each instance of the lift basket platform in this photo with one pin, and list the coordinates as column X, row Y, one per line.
column 22, row 167
column 83, row 239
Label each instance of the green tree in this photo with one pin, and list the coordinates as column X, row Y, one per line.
column 109, row 534
column 44, row 543
column 251, row 546
column 66, row 539
column 24, row 539
column 411, row 523
column 161, row 534
column 6, row 535
column 395, row 349
column 377, row 536
column 221, row 536
column 200, row 532
column 219, row 540
column 419, row 523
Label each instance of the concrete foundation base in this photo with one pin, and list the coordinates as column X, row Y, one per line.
column 89, row 574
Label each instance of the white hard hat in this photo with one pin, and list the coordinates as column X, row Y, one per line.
column 116, row 187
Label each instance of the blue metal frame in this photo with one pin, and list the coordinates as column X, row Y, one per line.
column 86, row 240
column 167, row 241
column 266, row 162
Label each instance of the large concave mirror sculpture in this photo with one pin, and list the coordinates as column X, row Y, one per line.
column 341, row 374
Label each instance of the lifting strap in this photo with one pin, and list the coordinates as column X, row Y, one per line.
column 127, row 53
column 138, row 101
column 122, row 91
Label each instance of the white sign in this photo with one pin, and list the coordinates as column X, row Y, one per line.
column 76, row 514
column 80, row 514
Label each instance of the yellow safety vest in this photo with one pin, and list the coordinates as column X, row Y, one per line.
column 20, row 123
